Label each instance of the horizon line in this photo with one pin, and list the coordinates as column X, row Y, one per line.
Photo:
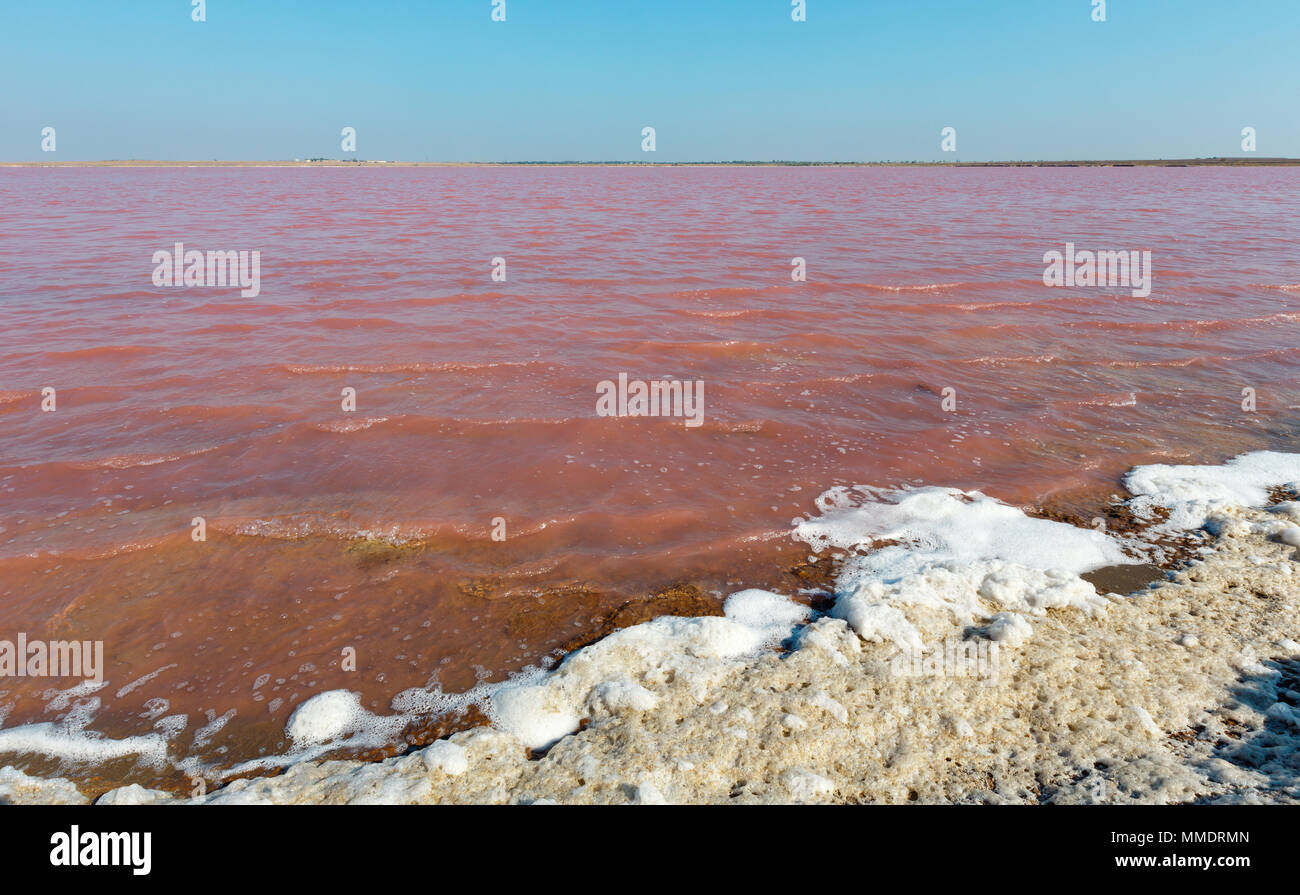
column 1210, row 161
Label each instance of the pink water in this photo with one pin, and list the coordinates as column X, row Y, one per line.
column 476, row 399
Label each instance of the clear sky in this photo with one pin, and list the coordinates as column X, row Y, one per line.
column 438, row 80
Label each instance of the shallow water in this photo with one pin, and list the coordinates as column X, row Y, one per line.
column 476, row 399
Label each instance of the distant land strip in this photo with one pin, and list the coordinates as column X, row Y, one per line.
column 1223, row 161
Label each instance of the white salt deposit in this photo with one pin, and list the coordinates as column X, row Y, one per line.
column 18, row 788
column 1192, row 493
column 805, row 786
column 613, row 674
column 945, row 525
column 959, row 554
column 1009, row 628
column 536, row 715
column 325, row 717
column 445, row 756
column 335, row 716
column 1290, row 535
column 648, row 794
column 74, row 744
column 135, row 794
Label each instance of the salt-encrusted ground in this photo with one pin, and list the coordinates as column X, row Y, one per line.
column 1186, row 692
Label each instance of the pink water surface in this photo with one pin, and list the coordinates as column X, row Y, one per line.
column 476, row 399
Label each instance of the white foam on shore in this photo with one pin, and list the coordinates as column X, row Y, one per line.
column 1192, row 493
column 334, row 719
column 621, row 671
column 962, row 553
column 17, row 788
column 616, row 674
column 329, row 717
column 71, row 744
column 948, row 525
column 69, row 740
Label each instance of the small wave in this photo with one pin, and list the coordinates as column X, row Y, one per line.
column 1197, row 325
column 1186, row 362
column 722, row 291
column 988, row 305
column 343, row 426
column 997, row 360
column 722, row 347
column 741, row 427
column 1129, row 401
column 336, row 261
column 722, row 315
column 418, row 302
column 132, row 295
column 401, row 367
column 227, row 328
column 101, row 351
column 293, row 528
column 355, row 322
column 914, row 287
column 298, row 528
column 127, row 461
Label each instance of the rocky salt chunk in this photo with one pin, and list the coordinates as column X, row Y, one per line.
column 1280, row 711
column 135, row 794
column 538, row 715
column 445, row 756
column 621, row 694
column 648, row 794
column 1142, row 718
column 17, row 788
column 831, row 636
column 1288, row 508
column 805, row 786
column 1010, row 628
column 696, row 652
column 823, row 701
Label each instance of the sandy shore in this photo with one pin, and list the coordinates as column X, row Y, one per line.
column 1185, row 692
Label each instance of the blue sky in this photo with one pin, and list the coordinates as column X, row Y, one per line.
column 438, row 80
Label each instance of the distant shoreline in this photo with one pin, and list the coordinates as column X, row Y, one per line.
column 1227, row 162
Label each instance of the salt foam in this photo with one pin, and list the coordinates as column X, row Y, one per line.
column 962, row 553
column 1192, row 493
